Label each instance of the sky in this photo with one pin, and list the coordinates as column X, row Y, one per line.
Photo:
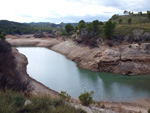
column 68, row 11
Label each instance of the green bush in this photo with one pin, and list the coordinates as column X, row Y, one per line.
column 148, row 111
column 130, row 46
column 2, row 36
column 65, row 96
column 86, row 98
column 120, row 21
column 129, row 21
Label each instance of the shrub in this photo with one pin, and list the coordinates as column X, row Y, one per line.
column 86, row 98
column 120, row 21
column 130, row 46
column 65, row 96
column 129, row 21
column 148, row 111
column 2, row 36
column 99, row 104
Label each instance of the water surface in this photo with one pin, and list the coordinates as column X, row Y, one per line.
column 57, row 72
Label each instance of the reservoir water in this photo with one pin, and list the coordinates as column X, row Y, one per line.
column 58, row 73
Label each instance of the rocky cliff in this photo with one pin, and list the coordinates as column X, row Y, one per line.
column 124, row 59
column 131, row 59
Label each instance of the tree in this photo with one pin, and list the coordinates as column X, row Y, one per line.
column 115, row 16
column 76, row 28
column 125, row 12
column 95, row 25
column 120, row 21
column 2, row 36
column 140, row 13
column 69, row 28
column 109, row 29
column 148, row 14
column 101, row 23
column 86, row 98
column 81, row 25
column 129, row 21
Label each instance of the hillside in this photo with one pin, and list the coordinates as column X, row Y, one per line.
column 133, row 26
column 10, row 27
column 136, row 18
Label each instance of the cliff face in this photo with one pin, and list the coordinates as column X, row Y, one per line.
column 123, row 59
column 21, row 63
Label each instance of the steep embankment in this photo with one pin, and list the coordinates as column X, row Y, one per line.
column 123, row 59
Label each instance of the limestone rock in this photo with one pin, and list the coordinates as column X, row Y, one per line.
column 27, row 102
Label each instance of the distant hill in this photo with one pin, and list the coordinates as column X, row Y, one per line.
column 52, row 25
column 10, row 27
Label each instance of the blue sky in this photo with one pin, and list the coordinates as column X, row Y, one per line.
column 56, row 11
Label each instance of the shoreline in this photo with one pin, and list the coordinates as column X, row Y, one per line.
column 119, row 59
column 42, row 89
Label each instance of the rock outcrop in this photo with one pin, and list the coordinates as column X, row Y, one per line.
column 131, row 59
column 134, row 60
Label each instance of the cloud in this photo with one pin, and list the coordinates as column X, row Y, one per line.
column 67, row 10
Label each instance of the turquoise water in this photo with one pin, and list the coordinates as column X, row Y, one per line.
column 57, row 72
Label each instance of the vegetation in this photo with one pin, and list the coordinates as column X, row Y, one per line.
column 148, row 111
column 2, row 36
column 129, row 21
column 15, row 28
column 148, row 14
column 120, row 21
column 125, row 12
column 109, row 29
column 86, row 98
column 81, row 25
column 69, row 29
column 10, row 27
column 90, row 33
column 65, row 96
column 13, row 102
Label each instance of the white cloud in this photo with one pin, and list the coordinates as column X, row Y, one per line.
column 52, row 10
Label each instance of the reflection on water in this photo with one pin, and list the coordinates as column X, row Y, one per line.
column 61, row 74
